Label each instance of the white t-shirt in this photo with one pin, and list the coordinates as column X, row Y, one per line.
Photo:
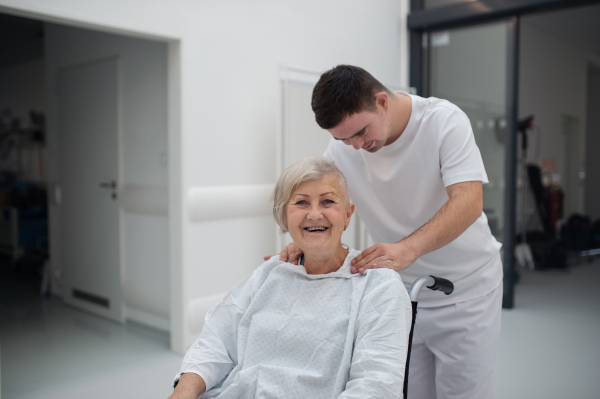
column 401, row 187
column 283, row 333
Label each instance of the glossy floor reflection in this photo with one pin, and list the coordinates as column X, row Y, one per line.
column 49, row 350
column 549, row 345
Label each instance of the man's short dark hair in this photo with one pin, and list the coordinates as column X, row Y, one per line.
column 342, row 91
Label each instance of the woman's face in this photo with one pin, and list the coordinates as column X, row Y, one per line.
column 317, row 213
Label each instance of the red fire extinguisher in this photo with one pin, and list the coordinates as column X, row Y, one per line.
column 555, row 204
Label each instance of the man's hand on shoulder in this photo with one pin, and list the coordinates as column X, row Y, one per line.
column 290, row 253
column 396, row 256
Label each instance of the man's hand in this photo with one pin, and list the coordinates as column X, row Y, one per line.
column 290, row 253
column 392, row 256
column 464, row 206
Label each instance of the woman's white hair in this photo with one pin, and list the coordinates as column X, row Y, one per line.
column 306, row 169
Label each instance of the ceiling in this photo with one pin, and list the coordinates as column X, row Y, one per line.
column 21, row 39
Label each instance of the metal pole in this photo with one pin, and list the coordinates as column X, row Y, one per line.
column 512, row 94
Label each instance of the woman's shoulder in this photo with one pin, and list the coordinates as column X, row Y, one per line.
column 267, row 266
column 377, row 276
column 388, row 280
column 384, row 276
column 258, row 276
column 385, row 273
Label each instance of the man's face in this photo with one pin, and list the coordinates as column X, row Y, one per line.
column 365, row 130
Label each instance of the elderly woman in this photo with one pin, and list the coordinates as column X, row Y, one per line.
column 309, row 331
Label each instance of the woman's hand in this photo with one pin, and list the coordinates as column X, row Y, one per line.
column 190, row 385
column 290, row 253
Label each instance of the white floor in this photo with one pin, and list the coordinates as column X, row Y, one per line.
column 550, row 345
column 49, row 350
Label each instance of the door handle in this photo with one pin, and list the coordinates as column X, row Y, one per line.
column 108, row 184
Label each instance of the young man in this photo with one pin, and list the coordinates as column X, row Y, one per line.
column 415, row 175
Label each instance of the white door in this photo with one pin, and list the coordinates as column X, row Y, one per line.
column 88, row 213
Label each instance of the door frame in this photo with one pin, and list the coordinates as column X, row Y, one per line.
column 421, row 21
column 175, row 207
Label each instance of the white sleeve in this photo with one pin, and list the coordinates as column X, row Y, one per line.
column 381, row 343
column 214, row 354
column 329, row 151
column 460, row 158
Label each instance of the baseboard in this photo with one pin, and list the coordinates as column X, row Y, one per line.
column 148, row 319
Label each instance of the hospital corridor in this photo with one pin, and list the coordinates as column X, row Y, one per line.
column 141, row 141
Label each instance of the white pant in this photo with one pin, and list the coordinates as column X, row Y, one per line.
column 454, row 349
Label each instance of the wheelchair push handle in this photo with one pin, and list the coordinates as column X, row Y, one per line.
column 433, row 283
column 441, row 284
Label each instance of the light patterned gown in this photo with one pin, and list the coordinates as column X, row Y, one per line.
column 283, row 333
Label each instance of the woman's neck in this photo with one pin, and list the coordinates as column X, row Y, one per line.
column 316, row 263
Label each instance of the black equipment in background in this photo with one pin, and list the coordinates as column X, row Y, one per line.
column 523, row 253
column 534, row 175
column 545, row 248
column 536, row 249
column 522, row 126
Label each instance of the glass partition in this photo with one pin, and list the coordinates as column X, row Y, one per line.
column 468, row 67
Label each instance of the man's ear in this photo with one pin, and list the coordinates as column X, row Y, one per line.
column 382, row 100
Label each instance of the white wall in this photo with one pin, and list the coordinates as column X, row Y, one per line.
column 229, row 53
column 145, row 255
column 552, row 84
column 231, row 140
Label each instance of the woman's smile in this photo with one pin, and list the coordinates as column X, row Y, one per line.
column 316, row 229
